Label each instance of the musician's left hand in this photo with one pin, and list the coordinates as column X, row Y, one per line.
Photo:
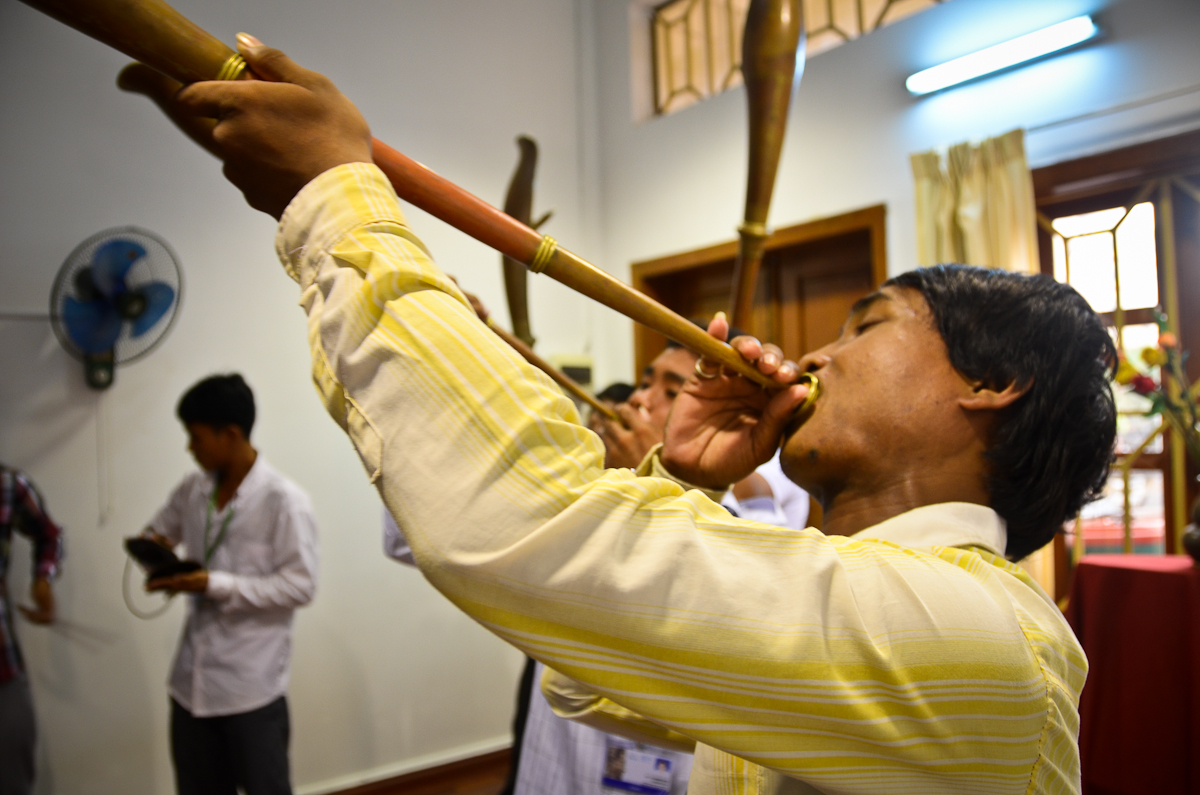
column 722, row 428
column 274, row 134
column 626, row 445
column 193, row 581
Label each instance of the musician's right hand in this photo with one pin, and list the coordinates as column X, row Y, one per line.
column 277, row 133
column 722, row 426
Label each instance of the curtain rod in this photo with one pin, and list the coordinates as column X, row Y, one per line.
column 1137, row 103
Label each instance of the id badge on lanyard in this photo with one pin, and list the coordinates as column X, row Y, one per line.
column 634, row 767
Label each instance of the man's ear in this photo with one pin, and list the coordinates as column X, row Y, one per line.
column 984, row 398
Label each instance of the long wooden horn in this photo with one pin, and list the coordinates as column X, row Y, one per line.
column 157, row 35
column 770, row 43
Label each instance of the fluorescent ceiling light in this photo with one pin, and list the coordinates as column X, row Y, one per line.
column 1001, row 56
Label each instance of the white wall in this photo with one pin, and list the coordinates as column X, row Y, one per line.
column 678, row 182
column 387, row 676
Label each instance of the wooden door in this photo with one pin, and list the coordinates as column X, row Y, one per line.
column 812, row 274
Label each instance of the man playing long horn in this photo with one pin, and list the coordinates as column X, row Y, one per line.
column 964, row 415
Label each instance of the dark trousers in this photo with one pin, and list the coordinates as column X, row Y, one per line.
column 215, row 756
column 17, row 736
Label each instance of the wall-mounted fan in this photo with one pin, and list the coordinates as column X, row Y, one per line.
column 114, row 299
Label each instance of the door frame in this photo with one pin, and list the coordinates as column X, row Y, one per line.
column 648, row 343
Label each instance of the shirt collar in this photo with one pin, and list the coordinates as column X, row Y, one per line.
column 947, row 524
column 257, row 471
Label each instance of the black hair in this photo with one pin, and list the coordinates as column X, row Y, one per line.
column 617, row 393
column 1051, row 449
column 218, row 401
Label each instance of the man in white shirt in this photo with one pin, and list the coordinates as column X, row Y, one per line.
column 254, row 533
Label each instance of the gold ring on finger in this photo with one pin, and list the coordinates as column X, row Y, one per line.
column 704, row 374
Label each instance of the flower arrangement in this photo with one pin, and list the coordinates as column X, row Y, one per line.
column 1179, row 410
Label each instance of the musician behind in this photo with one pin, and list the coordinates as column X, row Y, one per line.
column 964, row 415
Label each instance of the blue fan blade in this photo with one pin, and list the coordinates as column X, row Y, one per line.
column 93, row 325
column 111, row 262
column 159, row 298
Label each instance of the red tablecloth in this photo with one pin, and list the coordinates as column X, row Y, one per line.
column 1138, row 618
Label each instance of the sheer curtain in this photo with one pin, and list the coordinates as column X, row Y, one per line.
column 975, row 206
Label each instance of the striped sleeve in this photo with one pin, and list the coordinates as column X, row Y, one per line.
column 855, row 666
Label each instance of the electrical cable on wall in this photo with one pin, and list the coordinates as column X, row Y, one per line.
column 103, row 464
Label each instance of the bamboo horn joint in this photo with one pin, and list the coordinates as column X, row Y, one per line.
column 545, row 252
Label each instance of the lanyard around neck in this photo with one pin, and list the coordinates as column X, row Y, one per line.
column 212, row 506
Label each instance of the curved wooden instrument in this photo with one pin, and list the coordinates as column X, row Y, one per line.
column 518, row 203
column 770, row 44
column 157, row 35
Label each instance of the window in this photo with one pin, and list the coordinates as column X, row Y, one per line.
column 697, row 50
column 1103, row 521
column 834, row 22
column 1109, row 256
column 698, row 43
column 1097, row 251
column 1122, row 227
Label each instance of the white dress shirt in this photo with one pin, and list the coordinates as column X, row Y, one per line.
column 236, row 648
column 791, row 499
column 395, row 545
column 786, row 507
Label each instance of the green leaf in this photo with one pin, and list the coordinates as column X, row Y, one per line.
column 1157, row 404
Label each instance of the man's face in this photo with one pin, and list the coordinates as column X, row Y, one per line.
column 211, row 447
column 889, row 400
column 661, row 382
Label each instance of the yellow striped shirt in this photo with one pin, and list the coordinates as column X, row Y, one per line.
column 850, row 664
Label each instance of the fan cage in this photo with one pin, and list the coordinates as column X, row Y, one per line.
column 159, row 264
